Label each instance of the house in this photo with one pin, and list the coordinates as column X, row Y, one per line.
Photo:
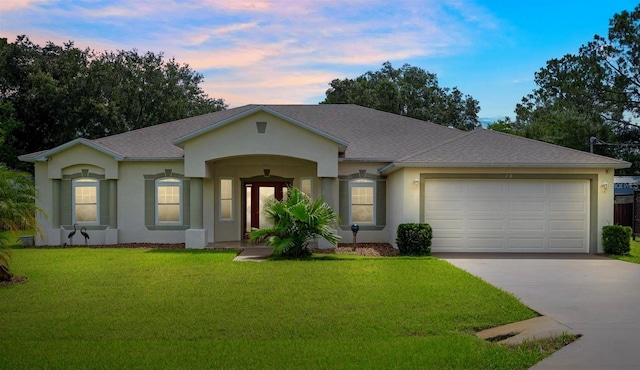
column 203, row 181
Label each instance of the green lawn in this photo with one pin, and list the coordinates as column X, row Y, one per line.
column 137, row 308
column 634, row 254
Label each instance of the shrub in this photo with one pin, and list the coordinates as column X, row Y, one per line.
column 297, row 219
column 616, row 239
column 414, row 239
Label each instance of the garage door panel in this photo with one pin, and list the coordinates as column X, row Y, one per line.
column 488, row 188
column 485, row 224
column 508, row 215
column 567, row 244
column 526, row 206
column 526, row 225
column 567, row 206
column 486, row 206
column 526, row 243
column 445, row 206
column 491, row 243
column 567, row 188
column 447, row 224
column 567, row 225
column 527, row 188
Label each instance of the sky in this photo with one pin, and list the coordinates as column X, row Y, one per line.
column 288, row 51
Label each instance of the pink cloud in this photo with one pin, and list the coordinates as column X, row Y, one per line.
column 9, row 5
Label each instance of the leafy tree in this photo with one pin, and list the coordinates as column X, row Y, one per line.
column 408, row 91
column 17, row 208
column 296, row 221
column 52, row 94
column 595, row 92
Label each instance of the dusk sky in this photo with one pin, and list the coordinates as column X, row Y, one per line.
column 287, row 51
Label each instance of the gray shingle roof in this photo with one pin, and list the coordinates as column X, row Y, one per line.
column 490, row 148
column 371, row 136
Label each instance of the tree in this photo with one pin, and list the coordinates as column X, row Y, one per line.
column 297, row 220
column 17, row 208
column 408, row 91
column 53, row 94
column 595, row 92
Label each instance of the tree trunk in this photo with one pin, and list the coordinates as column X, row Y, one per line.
column 5, row 275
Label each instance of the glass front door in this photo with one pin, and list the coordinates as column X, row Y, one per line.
column 257, row 194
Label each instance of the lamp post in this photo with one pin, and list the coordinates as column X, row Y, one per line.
column 354, row 229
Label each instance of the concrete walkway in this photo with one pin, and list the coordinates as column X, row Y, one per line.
column 595, row 296
column 255, row 254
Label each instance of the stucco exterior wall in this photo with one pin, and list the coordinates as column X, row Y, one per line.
column 77, row 156
column 44, row 201
column 131, row 203
column 242, row 138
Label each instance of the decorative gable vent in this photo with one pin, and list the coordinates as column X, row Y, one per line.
column 262, row 127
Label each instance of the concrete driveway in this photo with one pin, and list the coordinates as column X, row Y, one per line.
column 595, row 296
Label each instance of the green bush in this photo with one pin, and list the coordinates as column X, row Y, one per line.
column 616, row 239
column 414, row 239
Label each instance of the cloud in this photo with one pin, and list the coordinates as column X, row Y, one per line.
column 12, row 5
column 260, row 50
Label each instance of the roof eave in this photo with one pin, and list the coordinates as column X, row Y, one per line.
column 395, row 165
column 45, row 155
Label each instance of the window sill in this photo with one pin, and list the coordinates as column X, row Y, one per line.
column 167, row 227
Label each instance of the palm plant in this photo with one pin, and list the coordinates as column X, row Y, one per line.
column 296, row 221
column 17, row 208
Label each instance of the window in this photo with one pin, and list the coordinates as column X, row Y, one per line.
column 362, row 201
column 168, row 205
column 85, row 201
column 226, row 199
column 305, row 185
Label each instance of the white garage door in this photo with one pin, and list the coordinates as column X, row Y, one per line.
column 508, row 215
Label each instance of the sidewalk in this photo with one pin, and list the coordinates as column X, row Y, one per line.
column 255, row 254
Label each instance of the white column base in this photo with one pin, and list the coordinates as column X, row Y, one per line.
column 323, row 244
column 111, row 236
column 195, row 238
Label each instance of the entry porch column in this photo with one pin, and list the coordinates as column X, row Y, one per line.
column 196, row 235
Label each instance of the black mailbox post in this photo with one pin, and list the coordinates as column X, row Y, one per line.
column 354, row 229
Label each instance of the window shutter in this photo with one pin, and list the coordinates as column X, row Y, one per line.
column 65, row 202
column 104, row 202
column 381, row 203
column 186, row 202
column 149, row 202
column 343, row 202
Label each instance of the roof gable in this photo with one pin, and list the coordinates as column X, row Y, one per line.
column 46, row 154
column 259, row 108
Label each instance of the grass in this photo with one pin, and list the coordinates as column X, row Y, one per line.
column 138, row 308
column 634, row 254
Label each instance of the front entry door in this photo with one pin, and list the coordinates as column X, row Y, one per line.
column 257, row 195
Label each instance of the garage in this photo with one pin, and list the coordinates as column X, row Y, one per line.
column 508, row 215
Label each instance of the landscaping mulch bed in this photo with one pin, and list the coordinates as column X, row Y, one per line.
column 362, row 249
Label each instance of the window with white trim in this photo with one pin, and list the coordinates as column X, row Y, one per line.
column 168, row 201
column 362, row 200
column 85, row 201
column 226, row 199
